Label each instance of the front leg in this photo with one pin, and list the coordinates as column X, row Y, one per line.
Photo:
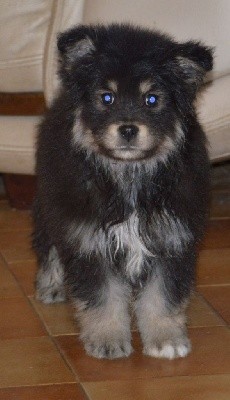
column 101, row 302
column 160, row 310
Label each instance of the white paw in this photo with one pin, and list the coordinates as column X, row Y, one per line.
column 169, row 349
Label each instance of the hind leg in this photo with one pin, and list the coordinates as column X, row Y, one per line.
column 50, row 279
column 50, row 276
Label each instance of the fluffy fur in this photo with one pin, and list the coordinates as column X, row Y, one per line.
column 123, row 187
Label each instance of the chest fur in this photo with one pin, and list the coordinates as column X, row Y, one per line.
column 135, row 245
column 127, row 239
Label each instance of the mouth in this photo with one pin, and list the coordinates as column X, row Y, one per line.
column 127, row 148
column 127, row 153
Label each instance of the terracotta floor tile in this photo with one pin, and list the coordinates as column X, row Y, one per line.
column 219, row 298
column 53, row 392
column 220, row 176
column 25, row 272
column 215, row 387
column 16, row 246
column 32, row 361
column 8, row 284
column 18, row 319
column 58, row 318
column 4, row 205
column 15, row 220
column 220, row 205
column 214, row 267
column 218, row 234
column 210, row 355
column 200, row 314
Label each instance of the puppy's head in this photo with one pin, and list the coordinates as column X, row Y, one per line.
column 132, row 90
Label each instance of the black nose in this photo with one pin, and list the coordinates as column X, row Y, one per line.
column 128, row 132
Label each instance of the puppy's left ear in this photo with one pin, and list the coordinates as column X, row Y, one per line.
column 194, row 61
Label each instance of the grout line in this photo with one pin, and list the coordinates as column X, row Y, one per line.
column 219, row 218
column 213, row 285
column 84, row 391
column 61, row 352
column 213, row 309
column 56, row 335
column 2, row 258
column 21, row 287
column 54, row 342
column 36, row 313
column 81, row 384
column 41, row 385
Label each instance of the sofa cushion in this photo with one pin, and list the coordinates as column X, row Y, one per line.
column 214, row 112
column 65, row 14
column 23, row 31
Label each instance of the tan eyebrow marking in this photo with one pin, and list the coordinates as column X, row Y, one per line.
column 112, row 85
column 145, row 86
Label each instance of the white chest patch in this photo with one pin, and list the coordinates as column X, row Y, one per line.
column 127, row 239
column 123, row 237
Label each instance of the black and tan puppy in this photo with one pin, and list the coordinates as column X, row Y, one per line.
column 123, row 179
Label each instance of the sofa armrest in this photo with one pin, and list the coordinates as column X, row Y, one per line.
column 64, row 15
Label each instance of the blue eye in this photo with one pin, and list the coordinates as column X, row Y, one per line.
column 107, row 98
column 150, row 99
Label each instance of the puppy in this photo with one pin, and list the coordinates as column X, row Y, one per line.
column 123, row 182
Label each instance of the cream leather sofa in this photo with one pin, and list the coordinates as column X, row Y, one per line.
column 28, row 31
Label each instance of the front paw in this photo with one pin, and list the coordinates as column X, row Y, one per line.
column 110, row 349
column 49, row 295
column 170, row 349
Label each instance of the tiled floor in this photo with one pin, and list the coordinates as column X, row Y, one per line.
column 41, row 357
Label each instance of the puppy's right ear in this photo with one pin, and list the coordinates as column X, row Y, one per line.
column 76, row 43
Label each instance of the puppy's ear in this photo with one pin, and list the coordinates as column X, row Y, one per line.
column 194, row 61
column 76, row 43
